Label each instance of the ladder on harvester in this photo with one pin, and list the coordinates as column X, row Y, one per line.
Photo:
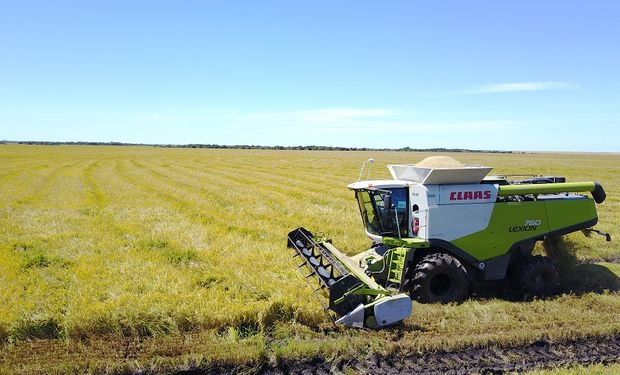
column 397, row 259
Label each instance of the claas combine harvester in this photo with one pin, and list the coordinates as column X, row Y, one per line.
column 439, row 226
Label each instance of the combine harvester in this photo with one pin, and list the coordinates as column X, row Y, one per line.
column 437, row 227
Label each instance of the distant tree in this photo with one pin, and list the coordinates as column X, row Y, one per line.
column 255, row 147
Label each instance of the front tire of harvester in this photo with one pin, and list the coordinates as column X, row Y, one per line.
column 439, row 278
column 537, row 276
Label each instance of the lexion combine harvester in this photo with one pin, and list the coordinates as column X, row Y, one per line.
column 437, row 227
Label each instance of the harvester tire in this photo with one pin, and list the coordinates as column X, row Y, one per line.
column 536, row 276
column 439, row 278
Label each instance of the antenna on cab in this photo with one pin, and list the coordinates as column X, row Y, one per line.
column 369, row 161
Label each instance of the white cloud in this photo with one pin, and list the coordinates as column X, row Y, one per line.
column 523, row 86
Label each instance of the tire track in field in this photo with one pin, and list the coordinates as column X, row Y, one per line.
column 278, row 195
column 124, row 176
column 540, row 354
column 15, row 183
column 187, row 208
column 298, row 187
column 314, row 182
column 489, row 360
column 201, row 216
column 213, row 186
column 287, row 175
column 42, row 188
column 96, row 211
column 168, row 184
column 96, row 196
column 288, row 190
column 251, row 220
column 288, row 178
column 311, row 169
column 21, row 168
column 272, row 181
column 191, row 189
column 103, row 219
column 291, row 214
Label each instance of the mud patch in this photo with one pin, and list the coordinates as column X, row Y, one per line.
column 540, row 354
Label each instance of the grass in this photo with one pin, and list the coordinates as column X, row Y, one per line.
column 121, row 258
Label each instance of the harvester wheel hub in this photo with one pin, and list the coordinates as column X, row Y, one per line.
column 441, row 284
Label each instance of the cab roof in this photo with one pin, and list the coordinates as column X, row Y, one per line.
column 379, row 184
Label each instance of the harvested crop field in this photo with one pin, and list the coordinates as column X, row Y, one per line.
column 121, row 259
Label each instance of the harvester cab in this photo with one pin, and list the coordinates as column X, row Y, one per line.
column 437, row 227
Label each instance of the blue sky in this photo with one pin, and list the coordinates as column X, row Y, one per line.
column 511, row 75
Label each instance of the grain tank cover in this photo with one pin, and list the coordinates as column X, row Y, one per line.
column 437, row 170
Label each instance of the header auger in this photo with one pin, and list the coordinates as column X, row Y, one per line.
column 437, row 227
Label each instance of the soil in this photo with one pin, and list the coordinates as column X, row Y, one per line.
column 477, row 360
column 490, row 360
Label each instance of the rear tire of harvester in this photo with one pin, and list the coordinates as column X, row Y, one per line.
column 536, row 276
column 439, row 278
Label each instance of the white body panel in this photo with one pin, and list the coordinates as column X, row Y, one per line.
column 391, row 310
column 467, row 194
column 432, row 194
column 445, row 212
column 354, row 318
column 467, row 174
column 381, row 184
column 419, row 196
column 451, row 221
column 375, row 238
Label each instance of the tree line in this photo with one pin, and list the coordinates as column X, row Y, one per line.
column 255, row 147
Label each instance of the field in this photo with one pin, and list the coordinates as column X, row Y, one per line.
column 143, row 258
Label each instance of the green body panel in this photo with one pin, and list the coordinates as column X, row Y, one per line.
column 564, row 187
column 512, row 222
column 497, row 238
column 413, row 243
column 391, row 264
column 360, row 290
column 370, row 283
column 374, row 263
column 563, row 213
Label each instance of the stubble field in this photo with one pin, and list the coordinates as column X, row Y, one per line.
column 143, row 258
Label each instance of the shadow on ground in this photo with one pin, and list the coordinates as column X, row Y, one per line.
column 575, row 276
